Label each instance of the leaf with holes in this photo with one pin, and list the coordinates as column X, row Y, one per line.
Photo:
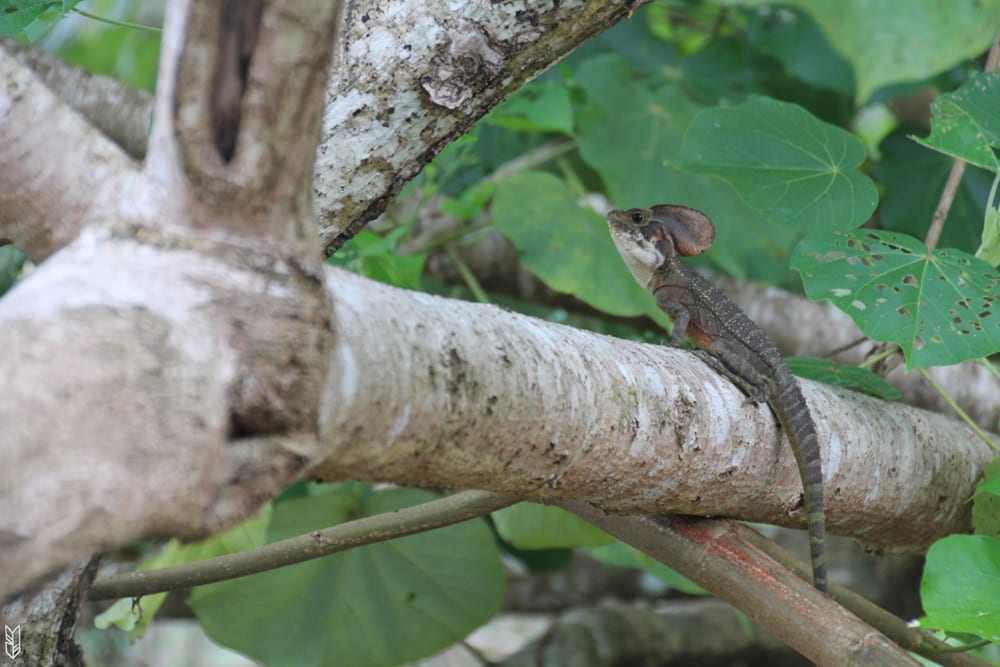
column 966, row 123
column 16, row 15
column 940, row 308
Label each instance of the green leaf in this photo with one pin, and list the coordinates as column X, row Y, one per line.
column 902, row 40
column 989, row 247
column 375, row 256
column 849, row 377
column 720, row 70
column 17, row 15
column 630, row 135
column 383, row 604
column 11, row 262
column 623, row 555
column 568, row 247
column 784, row 163
column 470, row 204
column 960, row 590
column 966, row 123
column 534, row 526
column 992, row 482
column 795, row 39
column 986, row 502
column 940, row 308
column 541, row 107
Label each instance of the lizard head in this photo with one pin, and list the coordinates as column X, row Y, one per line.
column 647, row 238
column 636, row 236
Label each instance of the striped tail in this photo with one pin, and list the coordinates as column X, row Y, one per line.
column 790, row 406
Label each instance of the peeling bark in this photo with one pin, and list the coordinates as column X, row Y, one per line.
column 451, row 63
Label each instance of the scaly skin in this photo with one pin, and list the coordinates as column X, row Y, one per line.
column 651, row 242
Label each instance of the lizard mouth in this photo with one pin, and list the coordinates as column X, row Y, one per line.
column 617, row 218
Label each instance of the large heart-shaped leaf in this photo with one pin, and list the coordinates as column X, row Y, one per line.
column 941, row 307
column 375, row 606
column 784, row 163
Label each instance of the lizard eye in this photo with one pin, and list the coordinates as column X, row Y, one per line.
column 637, row 217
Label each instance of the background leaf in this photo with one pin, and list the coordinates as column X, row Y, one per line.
column 374, row 256
column 784, row 163
column 534, row 526
column 986, row 502
column 794, row 38
column 838, row 375
column 568, row 247
column 424, row 592
column 547, row 108
column 135, row 617
column 17, row 15
column 623, row 555
column 940, row 308
column 961, row 585
column 630, row 134
column 894, row 41
column 966, row 124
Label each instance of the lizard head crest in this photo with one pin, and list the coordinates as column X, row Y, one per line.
column 647, row 238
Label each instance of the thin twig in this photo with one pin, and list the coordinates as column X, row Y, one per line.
column 379, row 528
column 958, row 410
column 116, row 22
column 844, row 348
column 468, row 276
column 944, row 204
column 957, row 169
column 884, row 354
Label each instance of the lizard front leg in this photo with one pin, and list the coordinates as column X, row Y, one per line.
column 679, row 315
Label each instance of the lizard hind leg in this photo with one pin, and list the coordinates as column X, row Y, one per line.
column 747, row 379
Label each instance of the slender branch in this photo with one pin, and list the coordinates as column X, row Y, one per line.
column 944, row 204
column 958, row 410
column 469, row 277
column 117, row 22
column 407, row 521
column 957, row 169
column 893, row 627
column 717, row 556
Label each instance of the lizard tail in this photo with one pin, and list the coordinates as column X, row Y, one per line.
column 793, row 413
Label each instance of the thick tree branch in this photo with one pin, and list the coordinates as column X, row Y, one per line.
column 531, row 409
column 452, row 62
column 121, row 112
column 545, row 411
column 798, row 326
column 45, row 201
column 383, row 124
column 171, row 331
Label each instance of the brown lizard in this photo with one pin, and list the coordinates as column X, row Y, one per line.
column 651, row 241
